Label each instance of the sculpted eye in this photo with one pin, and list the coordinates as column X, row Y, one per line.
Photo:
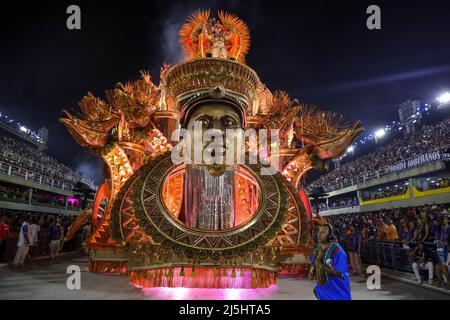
column 205, row 122
column 229, row 122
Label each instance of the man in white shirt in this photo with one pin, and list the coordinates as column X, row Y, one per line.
column 34, row 233
column 23, row 243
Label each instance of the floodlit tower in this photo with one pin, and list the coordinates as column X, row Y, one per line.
column 410, row 115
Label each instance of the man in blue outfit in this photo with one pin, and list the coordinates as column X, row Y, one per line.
column 330, row 265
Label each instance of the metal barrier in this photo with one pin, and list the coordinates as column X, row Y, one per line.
column 28, row 175
column 44, row 170
column 327, row 207
column 388, row 254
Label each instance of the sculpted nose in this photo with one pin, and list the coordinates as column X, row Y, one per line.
column 218, row 125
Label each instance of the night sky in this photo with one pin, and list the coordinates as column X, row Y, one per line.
column 318, row 51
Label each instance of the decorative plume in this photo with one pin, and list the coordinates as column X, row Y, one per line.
column 190, row 31
column 281, row 100
column 135, row 96
column 94, row 108
column 196, row 42
column 313, row 121
column 240, row 40
column 282, row 111
column 145, row 75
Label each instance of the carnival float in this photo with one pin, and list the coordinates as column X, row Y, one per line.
column 169, row 224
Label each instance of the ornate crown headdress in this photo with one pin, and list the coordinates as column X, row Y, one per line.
column 214, row 67
column 196, row 33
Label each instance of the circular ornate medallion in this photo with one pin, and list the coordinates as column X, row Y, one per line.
column 144, row 197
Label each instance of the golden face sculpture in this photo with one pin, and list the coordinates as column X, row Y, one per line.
column 217, row 117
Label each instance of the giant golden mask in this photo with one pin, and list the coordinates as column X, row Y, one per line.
column 214, row 118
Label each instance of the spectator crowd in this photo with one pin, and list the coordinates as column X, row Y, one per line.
column 428, row 138
column 25, row 235
column 423, row 231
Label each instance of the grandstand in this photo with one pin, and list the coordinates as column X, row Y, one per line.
column 33, row 181
column 411, row 170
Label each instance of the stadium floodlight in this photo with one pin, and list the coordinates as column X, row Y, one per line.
column 444, row 98
column 23, row 129
column 351, row 149
column 380, row 133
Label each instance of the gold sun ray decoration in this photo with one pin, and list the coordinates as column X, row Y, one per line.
column 191, row 34
column 197, row 44
column 94, row 108
column 240, row 40
column 282, row 111
column 314, row 121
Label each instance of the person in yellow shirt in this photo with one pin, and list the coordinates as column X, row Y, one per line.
column 390, row 231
